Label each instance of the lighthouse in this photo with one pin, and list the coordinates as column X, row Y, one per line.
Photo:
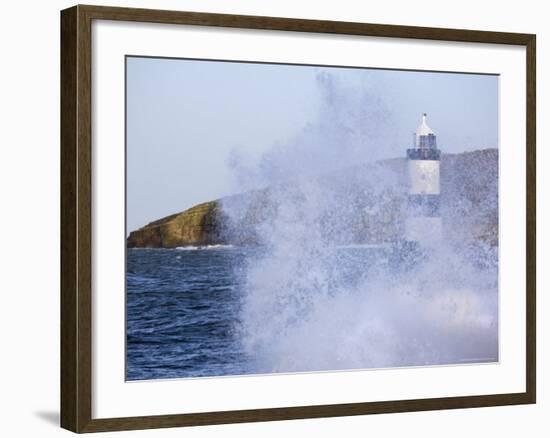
column 423, row 223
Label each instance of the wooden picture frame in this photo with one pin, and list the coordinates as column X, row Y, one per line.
column 76, row 217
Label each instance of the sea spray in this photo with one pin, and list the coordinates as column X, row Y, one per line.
column 310, row 304
column 320, row 296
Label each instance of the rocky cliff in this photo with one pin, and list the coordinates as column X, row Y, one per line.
column 364, row 204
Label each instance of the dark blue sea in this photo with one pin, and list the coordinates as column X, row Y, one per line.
column 182, row 308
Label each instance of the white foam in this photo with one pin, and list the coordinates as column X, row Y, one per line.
column 203, row 247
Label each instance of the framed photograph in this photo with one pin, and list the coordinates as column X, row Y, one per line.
column 271, row 218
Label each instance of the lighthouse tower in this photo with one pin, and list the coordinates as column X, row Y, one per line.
column 423, row 223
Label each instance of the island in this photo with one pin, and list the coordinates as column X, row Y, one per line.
column 365, row 214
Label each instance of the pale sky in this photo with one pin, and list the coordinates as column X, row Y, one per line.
column 200, row 130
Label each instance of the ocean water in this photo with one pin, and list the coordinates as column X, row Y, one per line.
column 185, row 308
column 216, row 311
column 182, row 310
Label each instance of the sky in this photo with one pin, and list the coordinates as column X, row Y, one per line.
column 200, row 130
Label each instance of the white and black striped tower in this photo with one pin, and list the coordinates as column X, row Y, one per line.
column 423, row 221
